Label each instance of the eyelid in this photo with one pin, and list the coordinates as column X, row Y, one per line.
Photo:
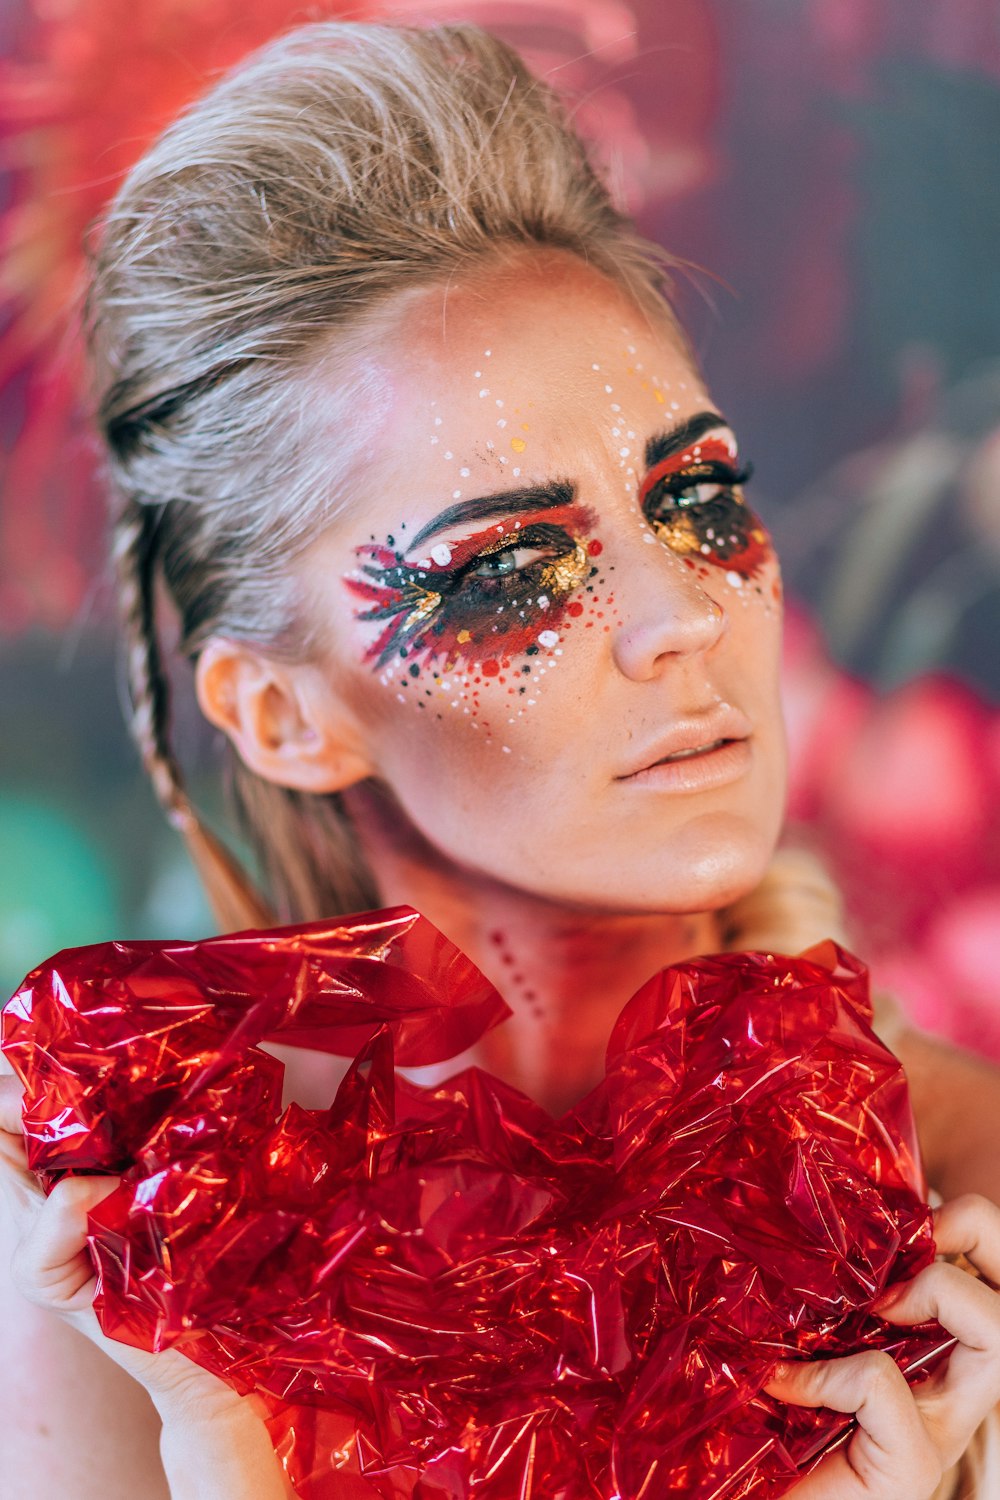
column 702, row 470
column 574, row 518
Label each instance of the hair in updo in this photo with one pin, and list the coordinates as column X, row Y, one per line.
column 249, row 249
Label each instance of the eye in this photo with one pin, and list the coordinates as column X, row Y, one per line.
column 510, row 560
column 699, row 494
column 689, row 491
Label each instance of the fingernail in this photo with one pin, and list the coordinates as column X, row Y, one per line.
column 894, row 1294
column 781, row 1371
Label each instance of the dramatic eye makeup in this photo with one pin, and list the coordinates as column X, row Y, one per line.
column 692, row 497
column 498, row 590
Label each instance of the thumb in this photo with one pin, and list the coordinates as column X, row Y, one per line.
column 52, row 1264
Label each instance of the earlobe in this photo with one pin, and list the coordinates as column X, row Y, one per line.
column 279, row 728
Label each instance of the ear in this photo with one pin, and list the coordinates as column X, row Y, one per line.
column 284, row 721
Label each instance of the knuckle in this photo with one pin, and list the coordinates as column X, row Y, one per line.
column 880, row 1374
column 971, row 1214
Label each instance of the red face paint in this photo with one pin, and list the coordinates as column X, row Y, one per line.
column 491, row 594
column 694, row 502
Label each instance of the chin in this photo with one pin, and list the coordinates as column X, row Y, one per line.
column 709, row 864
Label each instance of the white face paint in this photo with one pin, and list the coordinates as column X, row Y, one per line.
column 647, row 637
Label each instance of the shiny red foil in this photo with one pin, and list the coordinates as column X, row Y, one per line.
column 446, row 1288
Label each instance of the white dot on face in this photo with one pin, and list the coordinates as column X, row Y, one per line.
column 548, row 639
column 515, row 472
column 502, row 422
column 499, row 402
column 615, row 406
column 441, row 554
column 456, row 494
column 624, row 452
column 609, row 389
column 449, row 455
column 438, row 421
column 506, row 748
column 735, row 580
column 478, row 375
column 464, row 473
column 595, row 367
column 435, row 440
column 649, row 537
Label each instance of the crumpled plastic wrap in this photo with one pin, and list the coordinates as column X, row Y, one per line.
column 446, row 1288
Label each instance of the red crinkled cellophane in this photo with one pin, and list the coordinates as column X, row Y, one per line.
column 446, row 1287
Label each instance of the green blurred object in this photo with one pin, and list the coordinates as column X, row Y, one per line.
column 56, row 887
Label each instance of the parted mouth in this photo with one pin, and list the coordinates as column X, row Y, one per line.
column 696, row 750
column 693, row 737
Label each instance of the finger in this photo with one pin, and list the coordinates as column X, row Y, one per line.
column 891, row 1453
column 11, row 1096
column 959, row 1396
column 18, row 1184
column 52, row 1265
column 967, row 1308
column 970, row 1226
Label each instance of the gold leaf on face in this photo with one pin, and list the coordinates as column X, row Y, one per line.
column 564, row 573
column 426, row 605
column 678, row 533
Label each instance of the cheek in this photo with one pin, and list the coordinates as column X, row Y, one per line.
column 737, row 565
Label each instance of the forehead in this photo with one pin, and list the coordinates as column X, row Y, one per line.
column 536, row 348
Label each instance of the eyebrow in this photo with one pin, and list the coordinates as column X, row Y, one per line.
column 561, row 491
column 676, row 439
column 505, row 503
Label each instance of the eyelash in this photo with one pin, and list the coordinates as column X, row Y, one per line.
column 723, row 477
column 551, row 542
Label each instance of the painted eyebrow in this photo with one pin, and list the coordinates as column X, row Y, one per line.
column 676, row 439
column 504, row 503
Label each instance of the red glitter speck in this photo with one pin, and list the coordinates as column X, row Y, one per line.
column 595, row 548
column 490, row 667
column 576, row 608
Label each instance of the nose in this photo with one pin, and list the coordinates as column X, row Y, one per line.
column 665, row 614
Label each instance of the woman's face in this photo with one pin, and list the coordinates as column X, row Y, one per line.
column 553, row 583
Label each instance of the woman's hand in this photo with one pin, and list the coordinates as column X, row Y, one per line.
column 52, row 1268
column 906, row 1438
column 213, row 1443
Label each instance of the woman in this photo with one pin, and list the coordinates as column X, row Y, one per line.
column 393, row 401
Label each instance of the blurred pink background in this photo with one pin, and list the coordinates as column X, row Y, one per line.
column 831, row 166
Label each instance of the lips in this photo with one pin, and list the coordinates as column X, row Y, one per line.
column 692, row 737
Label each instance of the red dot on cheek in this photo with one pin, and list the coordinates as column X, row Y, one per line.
column 490, row 668
column 576, row 608
column 595, row 548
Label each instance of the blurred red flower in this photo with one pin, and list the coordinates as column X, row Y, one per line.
column 901, row 793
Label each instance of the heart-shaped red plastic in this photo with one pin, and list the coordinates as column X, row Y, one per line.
column 505, row 1305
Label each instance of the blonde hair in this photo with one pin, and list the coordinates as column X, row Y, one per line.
column 255, row 242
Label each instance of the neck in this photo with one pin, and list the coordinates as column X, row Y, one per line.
column 565, row 972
